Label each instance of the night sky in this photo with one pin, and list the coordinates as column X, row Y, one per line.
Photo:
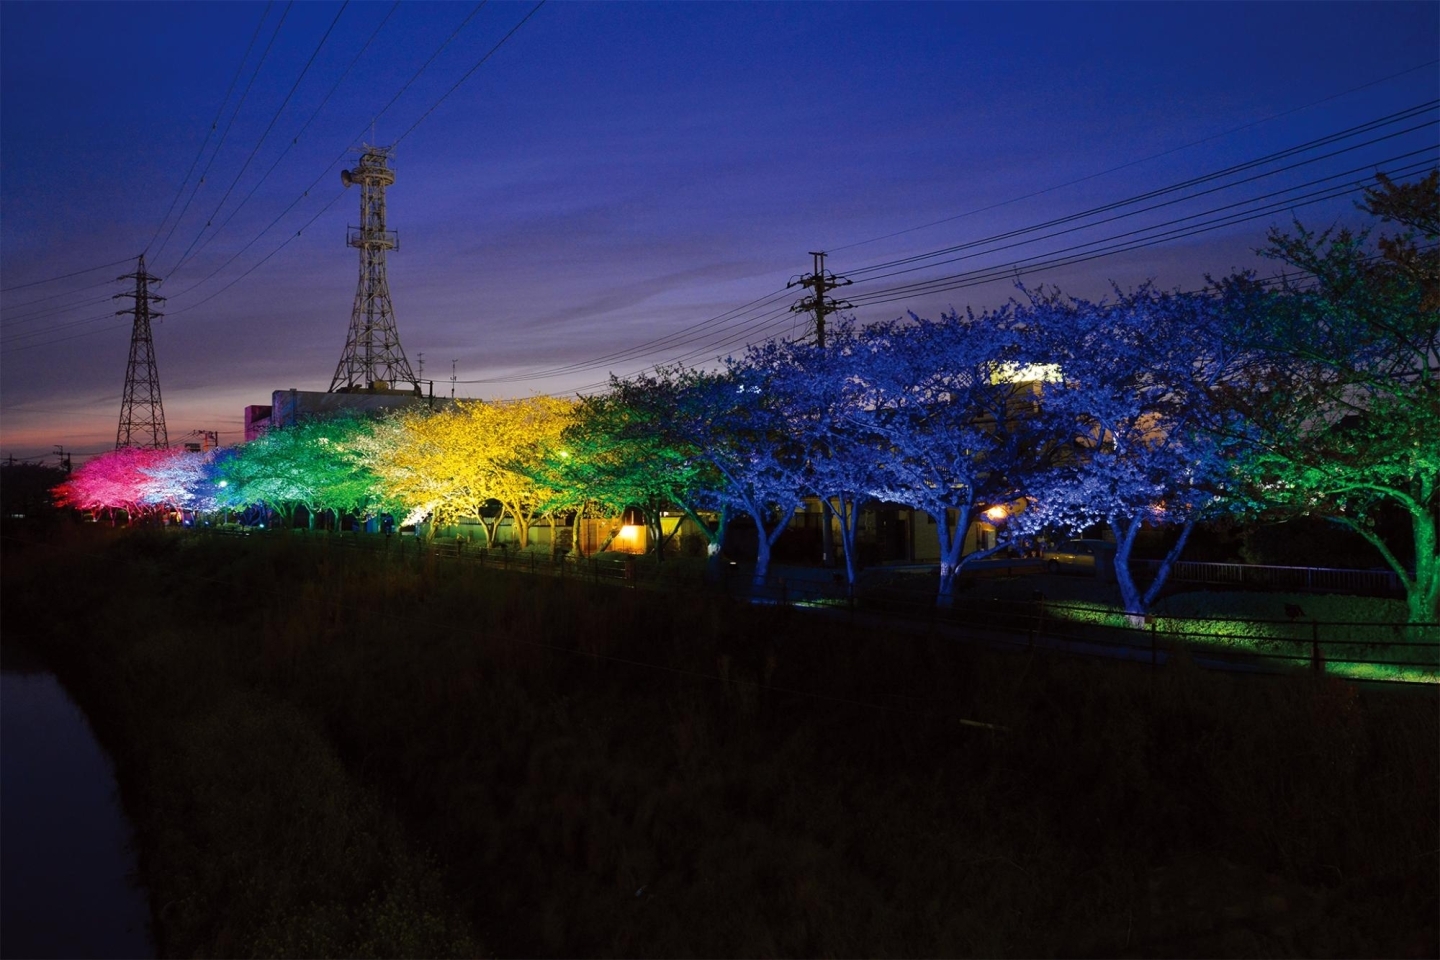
column 617, row 182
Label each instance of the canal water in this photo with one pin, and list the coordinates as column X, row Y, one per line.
column 67, row 886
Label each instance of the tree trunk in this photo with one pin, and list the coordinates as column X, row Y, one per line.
column 849, row 516
column 1163, row 573
column 1422, row 599
column 951, row 546
column 1129, row 593
column 767, row 538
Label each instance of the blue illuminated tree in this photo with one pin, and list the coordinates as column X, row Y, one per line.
column 823, row 396
column 1140, row 379
column 183, row 481
column 952, row 402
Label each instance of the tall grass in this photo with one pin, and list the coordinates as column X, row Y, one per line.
column 568, row 769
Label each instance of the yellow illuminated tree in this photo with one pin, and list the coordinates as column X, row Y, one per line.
column 452, row 462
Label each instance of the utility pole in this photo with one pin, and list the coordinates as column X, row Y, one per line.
column 142, row 416
column 452, row 378
column 373, row 358
column 64, row 457
column 820, row 283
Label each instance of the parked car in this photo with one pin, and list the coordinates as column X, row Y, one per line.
column 1077, row 555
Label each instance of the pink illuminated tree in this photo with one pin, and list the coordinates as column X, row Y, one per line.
column 116, row 480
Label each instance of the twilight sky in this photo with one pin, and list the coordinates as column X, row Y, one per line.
column 623, row 184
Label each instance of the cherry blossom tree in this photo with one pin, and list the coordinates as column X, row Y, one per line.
column 314, row 463
column 116, row 480
column 615, row 453
column 823, row 396
column 1345, row 420
column 452, row 462
column 1140, row 379
column 953, row 401
column 727, row 422
column 182, row 481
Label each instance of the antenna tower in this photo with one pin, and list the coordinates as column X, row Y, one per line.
column 142, row 417
column 373, row 358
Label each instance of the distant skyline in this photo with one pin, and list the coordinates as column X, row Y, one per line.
column 615, row 184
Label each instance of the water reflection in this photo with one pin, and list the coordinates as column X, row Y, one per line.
column 65, row 867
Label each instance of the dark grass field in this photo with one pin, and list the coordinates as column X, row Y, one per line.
column 328, row 753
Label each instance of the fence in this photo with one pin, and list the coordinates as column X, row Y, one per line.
column 1367, row 583
column 1391, row 652
column 1386, row 652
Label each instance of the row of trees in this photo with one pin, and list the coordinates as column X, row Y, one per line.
column 1319, row 394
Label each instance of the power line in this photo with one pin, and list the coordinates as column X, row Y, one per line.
column 263, row 259
column 261, row 63
column 1051, row 259
column 18, row 337
column 65, row 276
column 1015, row 268
column 55, row 311
column 1367, row 127
column 75, row 336
column 239, row 68
column 228, row 126
column 1125, row 216
column 260, row 142
column 1153, row 156
column 1158, row 235
column 324, row 173
column 9, row 318
column 478, row 64
column 303, row 127
column 629, row 352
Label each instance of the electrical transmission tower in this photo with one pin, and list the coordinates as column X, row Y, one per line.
column 373, row 358
column 820, row 283
column 142, row 417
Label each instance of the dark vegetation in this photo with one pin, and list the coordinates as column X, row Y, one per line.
column 326, row 752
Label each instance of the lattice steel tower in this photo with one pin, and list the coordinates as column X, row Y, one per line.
column 373, row 358
column 142, row 416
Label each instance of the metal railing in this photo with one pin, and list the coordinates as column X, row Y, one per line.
column 1368, row 583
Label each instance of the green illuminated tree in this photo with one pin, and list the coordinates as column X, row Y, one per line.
column 750, row 462
column 1343, row 414
column 616, row 452
column 315, row 464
